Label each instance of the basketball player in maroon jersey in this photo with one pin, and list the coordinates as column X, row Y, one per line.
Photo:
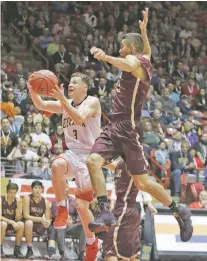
column 36, row 211
column 11, row 216
column 123, row 242
column 122, row 136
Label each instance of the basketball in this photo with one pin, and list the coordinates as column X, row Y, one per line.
column 43, row 82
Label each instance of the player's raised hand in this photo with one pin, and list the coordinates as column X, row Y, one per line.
column 58, row 93
column 143, row 24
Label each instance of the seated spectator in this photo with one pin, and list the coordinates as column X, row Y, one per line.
column 23, row 157
column 11, row 66
column 103, row 88
column 42, row 151
column 189, row 134
column 58, row 138
column 174, row 144
column 176, row 119
column 174, row 96
column 9, row 141
column 47, row 126
column 201, row 100
column 38, row 137
column 169, row 65
column 201, row 148
column 197, row 162
column 58, row 149
column 90, row 18
column 190, row 89
column 185, row 104
column 74, row 230
column 61, row 59
column 157, row 124
column 26, row 137
column 178, row 86
column 53, row 46
column 44, row 170
column 179, row 72
column 36, row 211
column 11, row 216
column 20, row 91
column 203, row 82
column 37, row 116
column 77, row 66
column 45, row 40
column 61, row 27
column 28, row 126
column 182, row 163
column 11, row 97
column 168, row 104
column 32, row 31
column 148, row 104
column 162, row 155
column 112, row 75
column 201, row 203
column 20, row 73
column 150, row 139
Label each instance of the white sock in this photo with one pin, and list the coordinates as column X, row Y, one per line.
column 62, row 203
column 90, row 241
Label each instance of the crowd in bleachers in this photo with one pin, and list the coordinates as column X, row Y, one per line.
column 174, row 114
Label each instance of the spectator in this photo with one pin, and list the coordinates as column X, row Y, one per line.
column 23, row 157
column 103, row 88
column 26, row 137
column 11, row 216
column 58, row 138
column 162, row 155
column 11, row 97
column 150, row 139
column 197, row 162
column 201, row 203
column 47, row 126
column 202, row 148
column 43, row 151
column 21, row 91
column 53, row 46
column 201, row 100
column 11, row 66
column 157, row 124
column 168, row 104
column 20, row 73
column 32, row 31
column 9, row 140
column 45, row 40
column 174, row 144
column 28, row 126
column 188, row 133
column 38, row 137
column 37, row 116
column 185, row 104
column 58, row 149
column 174, row 96
column 169, row 65
column 61, row 28
column 61, row 59
column 182, row 162
column 179, row 72
column 44, row 170
column 90, row 18
column 190, row 89
column 36, row 211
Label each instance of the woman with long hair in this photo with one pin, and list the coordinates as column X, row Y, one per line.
column 58, row 138
column 28, row 126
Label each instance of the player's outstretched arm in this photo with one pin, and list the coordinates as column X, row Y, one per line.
column 143, row 28
column 127, row 64
column 89, row 110
column 50, row 106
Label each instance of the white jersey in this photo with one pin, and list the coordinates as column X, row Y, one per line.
column 81, row 138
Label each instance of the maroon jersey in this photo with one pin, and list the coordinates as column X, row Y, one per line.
column 8, row 211
column 37, row 209
column 126, row 191
column 131, row 93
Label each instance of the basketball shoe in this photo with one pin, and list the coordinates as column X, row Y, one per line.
column 61, row 221
column 91, row 251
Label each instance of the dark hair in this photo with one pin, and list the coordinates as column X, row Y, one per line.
column 26, row 134
column 134, row 39
column 12, row 186
column 84, row 78
column 47, row 151
column 36, row 183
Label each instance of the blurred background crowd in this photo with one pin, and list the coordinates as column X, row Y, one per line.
column 59, row 36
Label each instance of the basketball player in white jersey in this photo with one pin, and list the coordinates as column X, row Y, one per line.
column 82, row 125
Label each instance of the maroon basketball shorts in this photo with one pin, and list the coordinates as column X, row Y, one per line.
column 123, row 241
column 120, row 139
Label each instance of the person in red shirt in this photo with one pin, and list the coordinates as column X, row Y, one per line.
column 202, row 200
column 11, row 66
column 197, row 162
column 190, row 89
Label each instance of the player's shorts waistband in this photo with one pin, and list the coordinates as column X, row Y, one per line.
column 116, row 118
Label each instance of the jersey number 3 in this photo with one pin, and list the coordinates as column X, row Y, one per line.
column 75, row 134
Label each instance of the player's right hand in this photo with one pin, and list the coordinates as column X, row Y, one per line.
column 14, row 225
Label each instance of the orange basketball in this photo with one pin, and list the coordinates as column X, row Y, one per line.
column 43, row 82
